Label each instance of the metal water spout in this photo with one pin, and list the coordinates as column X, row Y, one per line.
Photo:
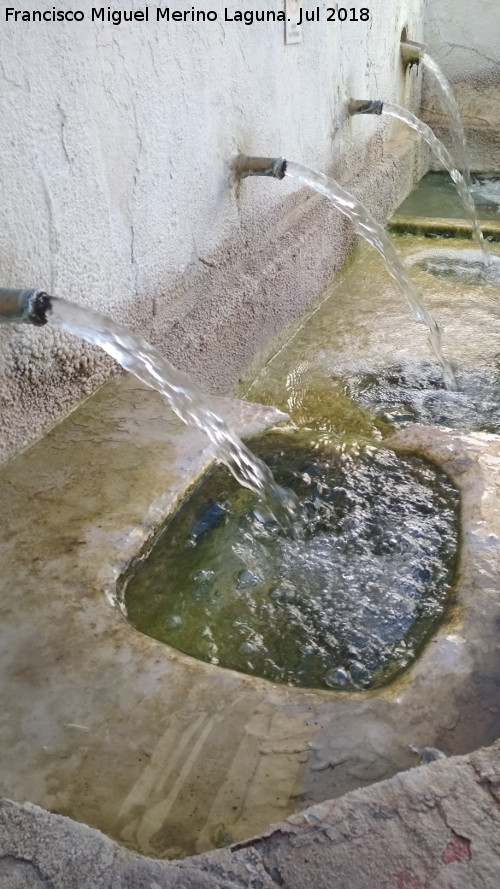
column 28, row 306
column 365, row 106
column 411, row 52
column 243, row 165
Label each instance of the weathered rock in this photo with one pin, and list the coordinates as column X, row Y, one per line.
column 434, row 827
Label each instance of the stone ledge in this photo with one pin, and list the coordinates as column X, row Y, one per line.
column 433, row 827
column 435, row 226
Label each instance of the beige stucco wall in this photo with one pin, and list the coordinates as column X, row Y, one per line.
column 115, row 186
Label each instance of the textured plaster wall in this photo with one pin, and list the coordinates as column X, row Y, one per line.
column 462, row 35
column 115, row 192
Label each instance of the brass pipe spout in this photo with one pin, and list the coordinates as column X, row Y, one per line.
column 28, row 306
column 243, row 166
column 411, row 52
column 365, row 106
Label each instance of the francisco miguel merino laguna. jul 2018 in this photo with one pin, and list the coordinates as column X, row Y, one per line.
column 169, row 14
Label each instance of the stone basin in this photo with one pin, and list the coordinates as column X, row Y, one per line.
column 169, row 755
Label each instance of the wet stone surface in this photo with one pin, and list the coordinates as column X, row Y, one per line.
column 360, row 366
column 345, row 605
column 168, row 754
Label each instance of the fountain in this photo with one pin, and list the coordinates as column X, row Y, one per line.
column 365, row 226
column 451, row 108
column 357, row 106
column 214, row 708
column 331, row 644
column 133, row 353
column 414, row 54
column 167, row 754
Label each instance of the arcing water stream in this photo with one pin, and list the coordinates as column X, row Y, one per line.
column 375, row 234
column 451, row 108
column 446, row 159
column 136, row 355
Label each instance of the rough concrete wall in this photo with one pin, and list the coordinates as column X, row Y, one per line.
column 115, row 189
column 462, row 36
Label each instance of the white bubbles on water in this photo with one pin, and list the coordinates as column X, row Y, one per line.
column 173, row 622
column 413, row 392
column 344, row 605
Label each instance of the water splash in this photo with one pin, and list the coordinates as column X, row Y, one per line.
column 411, row 392
column 486, row 190
column 375, row 234
column 196, row 409
column 464, row 267
column 348, row 606
column 446, row 159
column 451, row 107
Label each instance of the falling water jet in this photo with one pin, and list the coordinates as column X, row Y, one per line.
column 371, row 231
column 412, row 54
column 139, row 357
column 451, row 107
column 357, row 106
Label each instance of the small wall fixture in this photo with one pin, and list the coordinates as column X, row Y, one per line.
column 243, row 166
column 411, row 52
column 28, row 306
column 365, row 106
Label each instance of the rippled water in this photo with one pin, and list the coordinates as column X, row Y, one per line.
column 463, row 267
column 486, row 191
column 346, row 606
column 345, row 368
column 407, row 393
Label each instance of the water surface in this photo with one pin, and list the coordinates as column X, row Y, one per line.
column 345, row 368
column 347, row 605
